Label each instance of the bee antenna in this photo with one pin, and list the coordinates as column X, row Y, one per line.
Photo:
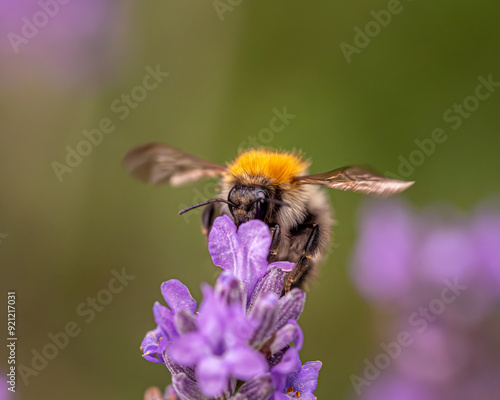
column 217, row 200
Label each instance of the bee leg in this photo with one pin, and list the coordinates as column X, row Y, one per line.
column 207, row 219
column 275, row 244
column 297, row 276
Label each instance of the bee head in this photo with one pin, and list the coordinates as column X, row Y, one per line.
column 249, row 202
column 245, row 202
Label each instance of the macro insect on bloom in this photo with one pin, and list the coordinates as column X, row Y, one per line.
column 271, row 186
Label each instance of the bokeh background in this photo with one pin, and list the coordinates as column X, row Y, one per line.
column 230, row 66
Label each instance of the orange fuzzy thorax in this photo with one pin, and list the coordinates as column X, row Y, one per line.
column 274, row 166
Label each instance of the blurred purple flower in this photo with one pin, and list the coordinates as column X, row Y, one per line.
column 237, row 346
column 74, row 41
column 398, row 387
column 399, row 252
column 438, row 273
column 5, row 387
column 384, row 255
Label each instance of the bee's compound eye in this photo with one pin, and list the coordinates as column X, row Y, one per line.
column 235, row 194
column 260, row 209
column 230, row 195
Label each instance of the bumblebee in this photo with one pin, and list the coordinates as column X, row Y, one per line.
column 272, row 186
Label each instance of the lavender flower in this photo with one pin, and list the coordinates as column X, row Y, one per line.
column 218, row 345
column 239, row 344
column 181, row 304
column 5, row 387
column 438, row 274
column 294, row 380
column 75, row 42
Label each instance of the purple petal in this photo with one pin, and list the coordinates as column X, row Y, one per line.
column 245, row 363
column 290, row 306
column 186, row 388
column 238, row 328
column 222, row 324
column 284, row 265
column 289, row 363
column 177, row 296
column 291, row 332
column 275, row 359
column 231, row 387
column 175, row 368
column 184, row 321
column 259, row 388
column 149, row 346
column 298, row 341
column 228, row 288
column 255, row 238
column 212, row 375
column 188, row 349
column 265, row 313
column 164, row 318
column 224, row 245
column 162, row 347
column 152, row 357
column 212, row 316
column 239, row 396
column 271, row 282
column 306, row 379
column 307, row 396
column 152, row 338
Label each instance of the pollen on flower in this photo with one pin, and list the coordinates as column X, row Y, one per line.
column 278, row 167
column 291, row 390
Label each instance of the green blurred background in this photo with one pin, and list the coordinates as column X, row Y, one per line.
column 226, row 77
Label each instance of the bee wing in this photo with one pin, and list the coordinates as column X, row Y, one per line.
column 356, row 179
column 156, row 163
